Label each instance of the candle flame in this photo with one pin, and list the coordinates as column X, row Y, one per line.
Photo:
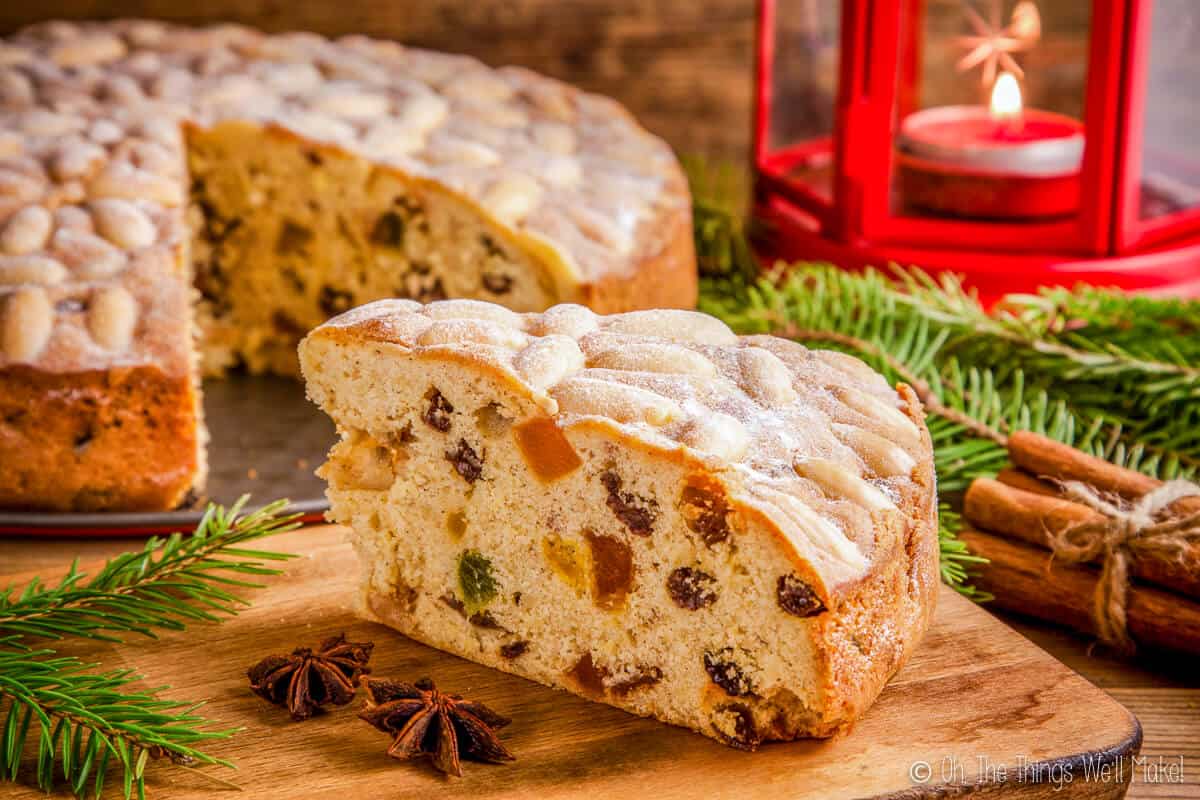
column 1006, row 97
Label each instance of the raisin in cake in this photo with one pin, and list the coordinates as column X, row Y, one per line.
column 288, row 177
column 734, row 534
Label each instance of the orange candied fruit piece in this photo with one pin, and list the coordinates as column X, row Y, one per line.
column 546, row 449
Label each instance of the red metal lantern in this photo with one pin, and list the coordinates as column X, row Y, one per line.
column 880, row 137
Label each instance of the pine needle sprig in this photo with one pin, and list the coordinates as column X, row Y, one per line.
column 1149, row 383
column 167, row 584
column 1021, row 322
column 80, row 721
column 1115, row 322
column 956, row 559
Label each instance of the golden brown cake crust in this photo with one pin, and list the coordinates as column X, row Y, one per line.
column 666, row 279
column 899, row 594
column 96, row 441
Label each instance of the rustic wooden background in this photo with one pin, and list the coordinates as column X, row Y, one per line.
column 684, row 67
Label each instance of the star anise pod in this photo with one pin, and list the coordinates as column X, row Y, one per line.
column 307, row 680
column 425, row 721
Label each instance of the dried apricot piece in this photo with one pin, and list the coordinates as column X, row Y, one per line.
column 612, row 570
column 593, row 679
column 546, row 449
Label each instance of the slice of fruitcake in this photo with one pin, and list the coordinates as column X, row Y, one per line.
column 734, row 534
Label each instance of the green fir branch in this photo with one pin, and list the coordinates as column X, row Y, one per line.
column 79, row 721
column 167, row 584
column 83, row 720
column 1087, row 317
column 956, row 559
column 1146, row 385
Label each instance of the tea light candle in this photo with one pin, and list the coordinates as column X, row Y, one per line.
column 999, row 162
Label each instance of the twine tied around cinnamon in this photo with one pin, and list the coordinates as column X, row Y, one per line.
column 1126, row 529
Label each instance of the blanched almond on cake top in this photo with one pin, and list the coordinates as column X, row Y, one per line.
column 733, row 534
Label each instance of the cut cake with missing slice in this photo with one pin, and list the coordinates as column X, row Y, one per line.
column 733, row 534
column 157, row 179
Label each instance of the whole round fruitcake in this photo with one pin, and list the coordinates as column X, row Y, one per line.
column 287, row 178
column 734, row 534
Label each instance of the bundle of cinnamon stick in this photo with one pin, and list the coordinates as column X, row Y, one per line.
column 1073, row 539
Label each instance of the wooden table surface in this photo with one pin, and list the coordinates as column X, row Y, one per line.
column 1162, row 690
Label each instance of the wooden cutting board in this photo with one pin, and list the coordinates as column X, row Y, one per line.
column 979, row 710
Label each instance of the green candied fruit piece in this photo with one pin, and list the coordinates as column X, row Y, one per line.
column 475, row 580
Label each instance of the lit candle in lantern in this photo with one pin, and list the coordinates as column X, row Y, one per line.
column 1001, row 161
column 1006, row 99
